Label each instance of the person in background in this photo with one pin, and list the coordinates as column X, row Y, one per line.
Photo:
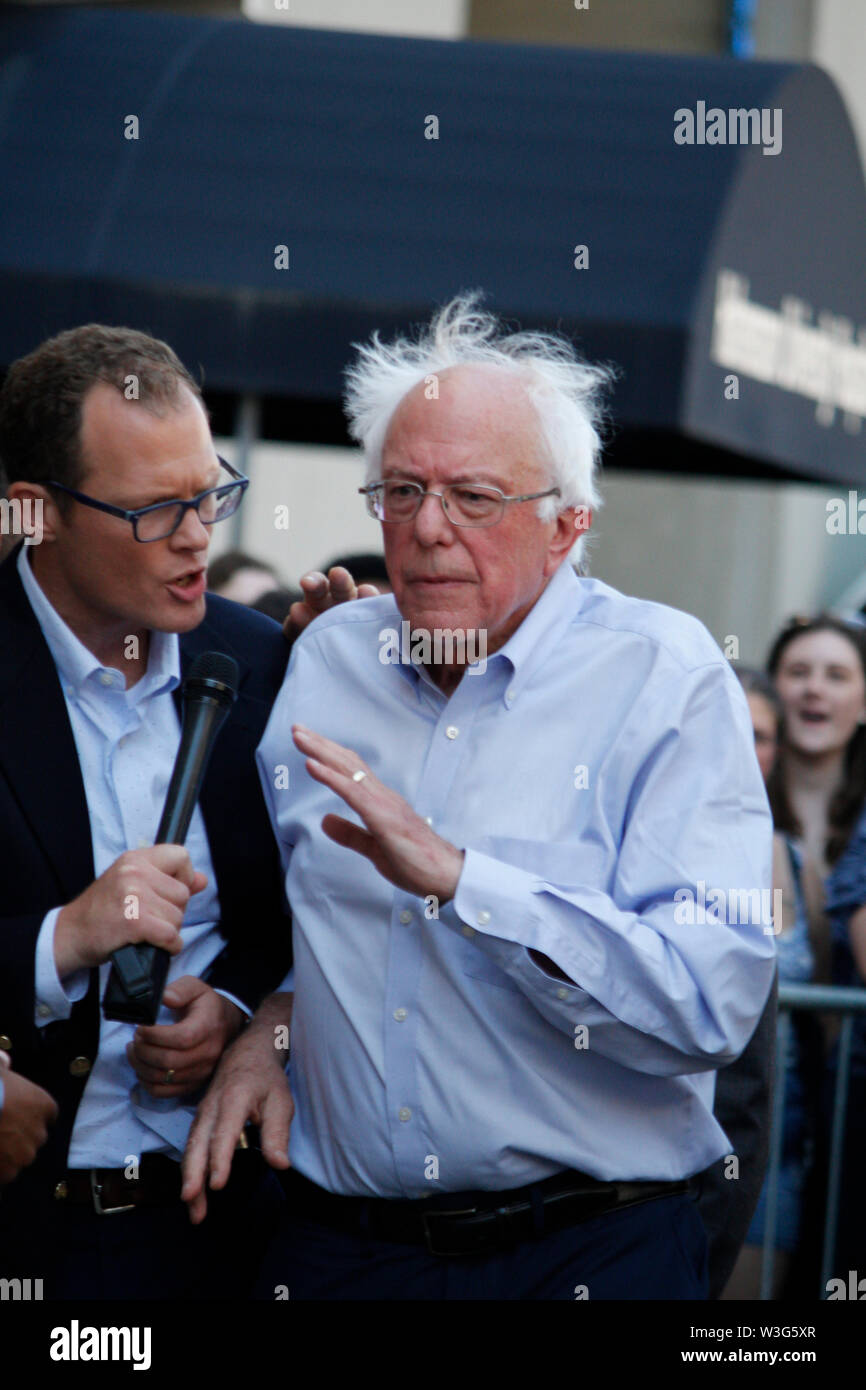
column 241, row 577
column 802, row 958
column 846, row 913
column 366, row 568
column 818, row 790
column 276, row 603
column 818, row 784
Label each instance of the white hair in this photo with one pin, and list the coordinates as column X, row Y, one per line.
column 565, row 391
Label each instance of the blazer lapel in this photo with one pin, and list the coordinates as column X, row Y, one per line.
column 37, row 747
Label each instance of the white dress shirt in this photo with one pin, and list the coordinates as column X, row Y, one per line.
column 127, row 741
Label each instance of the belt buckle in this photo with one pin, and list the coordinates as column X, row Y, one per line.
column 428, row 1234
column 95, row 1190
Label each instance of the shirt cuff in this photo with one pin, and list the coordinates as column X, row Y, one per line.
column 491, row 895
column 494, row 908
column 488, row 892
column 238, row 1003
column 54, row 998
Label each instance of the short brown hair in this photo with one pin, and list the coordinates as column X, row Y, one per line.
column 41, row 398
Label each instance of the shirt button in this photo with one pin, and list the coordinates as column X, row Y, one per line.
column 509, row 695
column 404, row 1114
column 42, row 1011
column 106, row 678
column 469, row 931
column 562, row 994
column 141, row 843
column 428, row 820
column 483, row 919
column 399, row 1014
column 452, row 731
column 405, row 916
column 61, row 1191
column 79, row 1066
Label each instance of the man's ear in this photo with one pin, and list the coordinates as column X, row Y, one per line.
column 37, row 510
column 571, row 524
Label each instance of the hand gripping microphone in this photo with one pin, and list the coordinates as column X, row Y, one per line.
column 137, row 979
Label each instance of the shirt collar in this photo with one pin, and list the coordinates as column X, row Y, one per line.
column 76, row 665
column 552, row 611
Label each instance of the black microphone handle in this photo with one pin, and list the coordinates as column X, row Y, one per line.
column 138, row 972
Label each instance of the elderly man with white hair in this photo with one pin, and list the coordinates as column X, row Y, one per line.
column 516, row 969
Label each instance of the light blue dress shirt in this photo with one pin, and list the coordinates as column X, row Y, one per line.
column 127, row 741
column 601, row 764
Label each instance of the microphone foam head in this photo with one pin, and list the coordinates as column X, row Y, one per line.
column 215, row 666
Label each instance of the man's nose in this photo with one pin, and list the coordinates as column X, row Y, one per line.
column 191, row 534
column 431, row 525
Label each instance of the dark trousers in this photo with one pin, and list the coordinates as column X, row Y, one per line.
column 657, row 1250
column 150, row 1253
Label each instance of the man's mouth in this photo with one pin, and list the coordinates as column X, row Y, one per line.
column 813, row 716
column 190, row 585
column 438, row 579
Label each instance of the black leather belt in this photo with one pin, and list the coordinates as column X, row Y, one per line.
column 109, row 1190
column 473, row 1223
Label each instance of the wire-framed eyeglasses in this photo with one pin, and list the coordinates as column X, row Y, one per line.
column 394, row 500
column 161, row 519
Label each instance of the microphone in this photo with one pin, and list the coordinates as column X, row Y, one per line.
column 137, row 979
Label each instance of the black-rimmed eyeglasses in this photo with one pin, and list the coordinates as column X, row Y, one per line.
column 465, row 504
column 161, row 519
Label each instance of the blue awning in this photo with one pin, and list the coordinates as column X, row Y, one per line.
column 706, row 261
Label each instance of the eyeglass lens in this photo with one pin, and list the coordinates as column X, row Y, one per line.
column 470, row 502
column 215, row 506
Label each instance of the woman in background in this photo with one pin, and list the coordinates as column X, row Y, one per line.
column 846, row 911
column 801, row 960
column 818, row 785
column 817, row 790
